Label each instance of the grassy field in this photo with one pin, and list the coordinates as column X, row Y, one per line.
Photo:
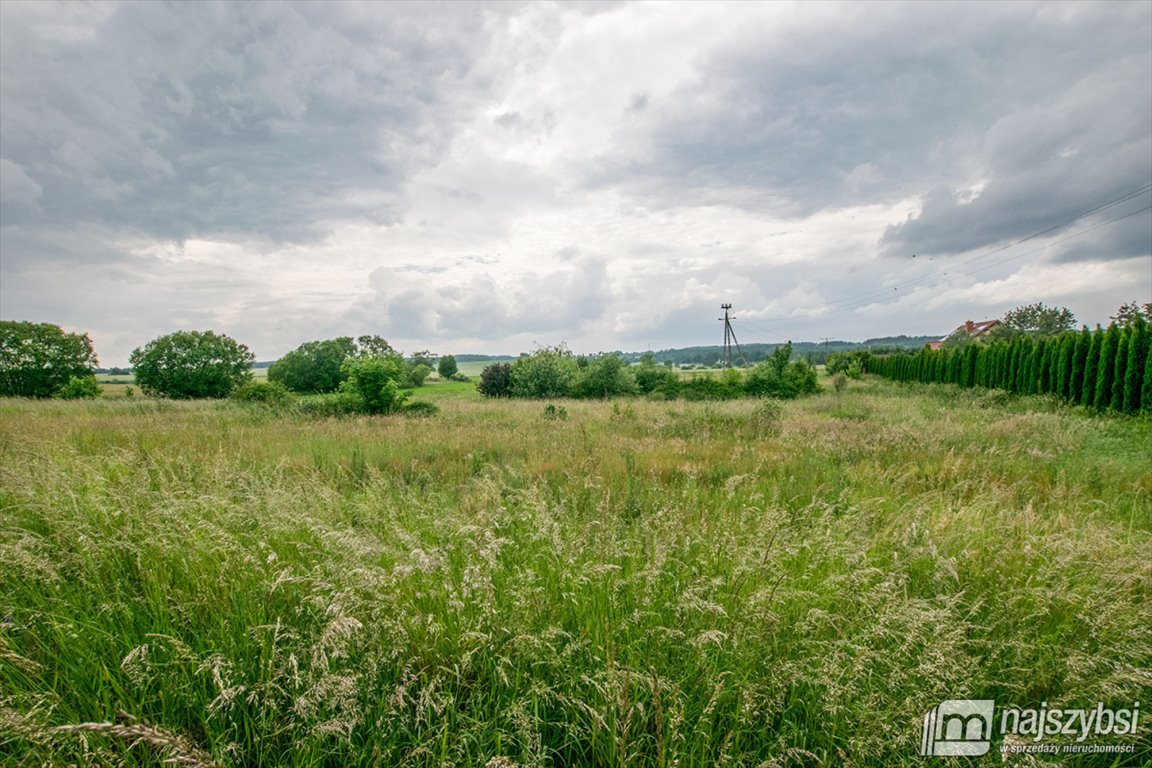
column 627, row 583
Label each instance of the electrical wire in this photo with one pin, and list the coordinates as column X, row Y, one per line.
column 865, row 299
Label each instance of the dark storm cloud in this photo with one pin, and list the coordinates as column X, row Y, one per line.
column 188, row 120
column 1043, row 106
column 1125, row 239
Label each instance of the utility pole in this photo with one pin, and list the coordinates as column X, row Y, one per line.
column 825, row 339
column 729, row 336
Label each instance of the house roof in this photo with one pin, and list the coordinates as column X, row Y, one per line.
column 974, row 329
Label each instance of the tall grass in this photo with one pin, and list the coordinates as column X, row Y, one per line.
column 639, row 584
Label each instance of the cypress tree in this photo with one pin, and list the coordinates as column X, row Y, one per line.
column 1022, row 359
column 1035, row 359
column 1133, row 371
column 1064, row 365
column 1044, row 366
column 1023, row 365
column 1018, row 362
column 1091, row 365
column 1107, row 369
column 971, row 354
column 1013, row 362
column 1146, row 387
column 1004, row 366
column 1116, row 399
column 1079, row 365
column 1052, row 353
column 995, row 357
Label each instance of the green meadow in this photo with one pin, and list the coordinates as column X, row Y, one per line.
column 596, row 583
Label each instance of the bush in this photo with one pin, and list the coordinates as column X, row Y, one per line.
column 496, row 380
column 420, row 408
column 80, row 388
column 330, row 404
column 554, row 412
column 314, row 366
column 651, row 377
column 270, row 393
column 415, row 376
column 191, row 364
column 461, row 377
column 709, row 387
column 850, row 364
column 373, row 380
column 547, row 372
column 604, row 376
column 777, row 377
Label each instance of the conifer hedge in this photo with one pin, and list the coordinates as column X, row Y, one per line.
column 1105, row 369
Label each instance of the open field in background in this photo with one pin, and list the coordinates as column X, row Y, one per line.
column 634, row 583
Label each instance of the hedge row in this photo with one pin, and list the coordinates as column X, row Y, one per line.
column 1105, row 369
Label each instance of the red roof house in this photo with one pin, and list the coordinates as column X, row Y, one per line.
column 974, row 330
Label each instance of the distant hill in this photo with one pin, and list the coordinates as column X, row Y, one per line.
column 815, row 351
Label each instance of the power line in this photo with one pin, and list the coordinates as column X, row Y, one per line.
column 986, row 267
column 1116, row 201
column 863, row 299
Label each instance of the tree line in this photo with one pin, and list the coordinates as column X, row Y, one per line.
column 1106, row 369
column 552, row 372
column 363, row 375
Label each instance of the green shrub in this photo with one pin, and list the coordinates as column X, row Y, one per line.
column 851, row 364
column 416, row 376
column 554, row 412
column 496, row 380
column 547, row 372
column 420, row 408
column 271, row 393
column 708, row 387
column 652, row 378
column 330, row 404
column 779, row 378
column 604, row 376
column 373, row 381
column 79, row 388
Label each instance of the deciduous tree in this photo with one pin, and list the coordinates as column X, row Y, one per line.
column 1034, row 320
column 191, row 364
column 39, row 359
column 314, row 366
column 447, row 367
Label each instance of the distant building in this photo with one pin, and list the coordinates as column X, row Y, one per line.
column 974, row 330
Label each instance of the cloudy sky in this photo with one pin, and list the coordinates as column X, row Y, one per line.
column 484, row 178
